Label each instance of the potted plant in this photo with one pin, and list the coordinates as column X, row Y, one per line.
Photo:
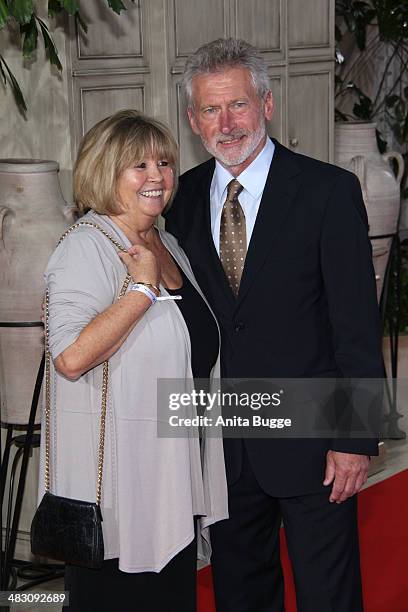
column 372, row 95
column 372, row 68
column 372, row 87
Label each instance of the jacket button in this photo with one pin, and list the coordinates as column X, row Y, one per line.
column 239, row 327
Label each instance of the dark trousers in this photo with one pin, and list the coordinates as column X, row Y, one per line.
column 110, row 590
column 322, row 542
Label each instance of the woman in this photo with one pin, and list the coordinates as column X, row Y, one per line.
column 153, row 488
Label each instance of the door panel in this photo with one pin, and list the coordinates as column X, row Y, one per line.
column 311, row 30
column 311, row 110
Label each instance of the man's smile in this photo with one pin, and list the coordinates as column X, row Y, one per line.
column 232, row 141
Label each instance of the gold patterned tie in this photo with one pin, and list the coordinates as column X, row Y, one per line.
column 233, row 244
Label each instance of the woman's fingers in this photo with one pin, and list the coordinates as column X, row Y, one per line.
column 142, row 263
column 124, row 256
column 137, row 249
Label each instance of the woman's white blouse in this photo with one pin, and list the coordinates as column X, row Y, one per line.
column 152, row 487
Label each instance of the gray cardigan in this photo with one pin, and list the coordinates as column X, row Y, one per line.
column 152, row 486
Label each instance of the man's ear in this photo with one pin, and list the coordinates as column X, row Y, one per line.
column 269, row 106
column 191, row 118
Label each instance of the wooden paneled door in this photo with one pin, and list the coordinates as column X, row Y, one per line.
column 136, row 60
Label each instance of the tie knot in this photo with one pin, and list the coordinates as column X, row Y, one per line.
column 233, row 190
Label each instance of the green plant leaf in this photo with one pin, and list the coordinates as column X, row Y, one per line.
column 54, row 8
column 397, row 131
column 391, row 17
column 381, row 143
column 358, row 91
column 15, row 87
column 391, row 100
column 117, row 6
column 49, row 45
column 357, row 16
column 4, row 13
column 2, row 73
column 361, row 37
column 71, row 6
column 363, row 110
column 339, row 116
column 400, row 110
column 21, row 10
column 80, row 23
column 30, row 35
column 350, row 22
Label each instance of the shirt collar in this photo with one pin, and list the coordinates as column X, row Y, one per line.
column 253, row 178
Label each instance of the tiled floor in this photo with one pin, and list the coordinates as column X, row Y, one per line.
column 396, row 461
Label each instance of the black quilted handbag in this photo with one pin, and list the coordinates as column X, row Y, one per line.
column 64, row 529
column 68, row 530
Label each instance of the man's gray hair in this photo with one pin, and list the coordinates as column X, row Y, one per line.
column 222, row 54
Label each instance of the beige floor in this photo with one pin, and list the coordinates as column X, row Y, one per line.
column 396, row 461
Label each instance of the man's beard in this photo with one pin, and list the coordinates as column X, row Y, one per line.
column 238, row 157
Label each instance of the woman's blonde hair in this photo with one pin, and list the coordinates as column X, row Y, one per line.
column 114, row 144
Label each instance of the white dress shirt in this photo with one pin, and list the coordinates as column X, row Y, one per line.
column 252, row 179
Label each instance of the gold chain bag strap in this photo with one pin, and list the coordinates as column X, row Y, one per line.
column 65, row 529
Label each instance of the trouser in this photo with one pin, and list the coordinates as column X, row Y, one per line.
column 110, row 590
column 322, row 542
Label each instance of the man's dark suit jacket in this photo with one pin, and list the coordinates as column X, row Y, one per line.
column 306, row 306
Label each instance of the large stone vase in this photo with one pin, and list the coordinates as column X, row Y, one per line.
column 33, row 214
column 356, row 149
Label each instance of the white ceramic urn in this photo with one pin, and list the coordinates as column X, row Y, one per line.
column 33, row 214
column 356, row 150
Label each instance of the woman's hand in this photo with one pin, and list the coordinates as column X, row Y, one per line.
column 142, row 264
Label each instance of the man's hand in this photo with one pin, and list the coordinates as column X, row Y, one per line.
column 349, row 473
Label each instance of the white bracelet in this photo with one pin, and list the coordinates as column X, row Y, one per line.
column 152, row 296
column 146, row 291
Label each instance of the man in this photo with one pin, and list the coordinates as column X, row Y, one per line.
column 295, row 297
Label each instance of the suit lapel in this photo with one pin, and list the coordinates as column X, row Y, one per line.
column 205, row 260
column 277, row 198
